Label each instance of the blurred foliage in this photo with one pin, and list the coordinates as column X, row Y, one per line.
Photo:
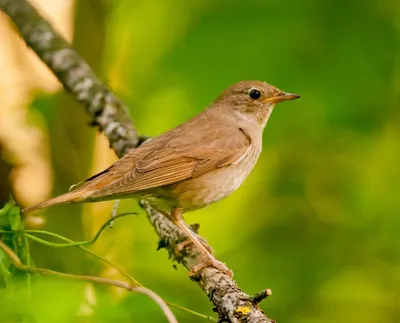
column 318, row 219
column 10, row 220
column 71, row 140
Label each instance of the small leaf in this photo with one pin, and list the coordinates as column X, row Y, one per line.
column 10, row 215
column 4, row 211
column 3, row 216
column 14, row 218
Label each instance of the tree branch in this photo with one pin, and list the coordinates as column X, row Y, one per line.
column 112, row 118
column 107, row 112
column 232, row 304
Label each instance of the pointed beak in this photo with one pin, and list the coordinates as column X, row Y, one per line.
column 283, row 96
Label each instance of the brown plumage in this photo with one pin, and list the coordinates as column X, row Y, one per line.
column 195, row 164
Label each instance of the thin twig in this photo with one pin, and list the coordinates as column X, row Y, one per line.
column 71, row 243
column 206, row 317
column 79, row 244
column 159, row 301
column 257, row 298
column 94, row 279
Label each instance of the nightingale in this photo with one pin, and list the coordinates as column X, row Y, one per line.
column 193, row 165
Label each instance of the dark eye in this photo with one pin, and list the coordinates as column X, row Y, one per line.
column 254, row 94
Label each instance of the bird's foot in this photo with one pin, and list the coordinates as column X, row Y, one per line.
column 180, row 246
column 210, row 262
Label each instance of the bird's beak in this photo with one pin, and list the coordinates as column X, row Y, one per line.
column 283, row 96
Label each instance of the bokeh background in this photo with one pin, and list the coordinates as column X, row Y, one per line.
column 318, row 220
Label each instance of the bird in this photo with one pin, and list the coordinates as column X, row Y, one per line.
column 199, row 162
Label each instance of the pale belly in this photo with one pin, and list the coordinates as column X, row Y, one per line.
column 208, row 188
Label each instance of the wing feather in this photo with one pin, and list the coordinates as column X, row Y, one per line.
column 165, row 161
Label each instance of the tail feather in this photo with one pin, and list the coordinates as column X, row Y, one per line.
column 70, row 197
column 80, row 192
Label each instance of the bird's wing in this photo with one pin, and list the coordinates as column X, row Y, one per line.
column 171, row 159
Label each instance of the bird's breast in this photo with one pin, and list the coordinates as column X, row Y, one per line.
column 214, row 185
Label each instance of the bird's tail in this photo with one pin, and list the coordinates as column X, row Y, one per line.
column 70, row 197
column 81, row 192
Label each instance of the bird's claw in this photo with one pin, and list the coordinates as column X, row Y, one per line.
column 180, row 246
column 194, row 272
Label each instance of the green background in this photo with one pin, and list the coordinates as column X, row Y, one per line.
column 317, row 221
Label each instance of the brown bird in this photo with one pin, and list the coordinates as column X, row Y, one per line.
column 195, row 164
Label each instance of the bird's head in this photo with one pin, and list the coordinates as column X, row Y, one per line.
column 253, row 99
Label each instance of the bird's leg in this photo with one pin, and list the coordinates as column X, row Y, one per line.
column 183, row 244
column 176, row 217
column 179, row 247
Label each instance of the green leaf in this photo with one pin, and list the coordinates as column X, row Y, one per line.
column 3, row 213
column 14, row 218
column 10, row 218
column 10, row 215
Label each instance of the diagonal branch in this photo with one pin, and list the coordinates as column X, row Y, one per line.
column 112, row 118
column 107, row 111
column 232, row 304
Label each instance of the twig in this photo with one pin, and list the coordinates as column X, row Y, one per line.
column 206, row 317
column 94, row 279
column 157, row 299
column 257, row 298
column 71, row 243
column 112, row 118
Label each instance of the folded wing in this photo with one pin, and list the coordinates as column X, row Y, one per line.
column 167, row 161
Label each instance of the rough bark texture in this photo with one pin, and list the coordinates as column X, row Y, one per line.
column 231, row 303
column 112, row 118
column 107, row 112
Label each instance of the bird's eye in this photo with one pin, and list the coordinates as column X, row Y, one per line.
column 254, row 94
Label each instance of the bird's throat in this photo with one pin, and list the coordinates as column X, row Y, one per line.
column 263, row 116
